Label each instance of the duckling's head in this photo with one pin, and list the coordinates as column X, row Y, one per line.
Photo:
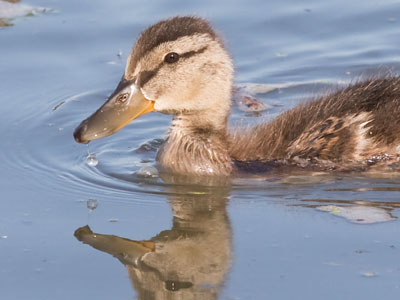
column 177, row 66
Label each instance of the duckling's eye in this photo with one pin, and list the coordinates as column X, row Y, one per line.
column 171, row 58
column 123, row 97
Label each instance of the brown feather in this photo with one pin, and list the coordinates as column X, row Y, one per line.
column 329, row 128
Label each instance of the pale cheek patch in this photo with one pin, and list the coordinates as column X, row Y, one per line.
column 148, row 97
column 166, row 105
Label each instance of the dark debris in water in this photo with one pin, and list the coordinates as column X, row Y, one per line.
column 247, row 102
column 4, row 23
column 58, row 105
column 252, row 104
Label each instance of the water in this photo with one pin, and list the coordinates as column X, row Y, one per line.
column 257, row 238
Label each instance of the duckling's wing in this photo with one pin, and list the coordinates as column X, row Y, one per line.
column 354, row 123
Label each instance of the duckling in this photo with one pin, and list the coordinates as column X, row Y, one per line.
column 180, row 66
column 189, row 261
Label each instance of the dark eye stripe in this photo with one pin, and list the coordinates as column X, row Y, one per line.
column 192, row 53
column 145, row 76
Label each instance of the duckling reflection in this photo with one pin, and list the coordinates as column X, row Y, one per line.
column 189, row 261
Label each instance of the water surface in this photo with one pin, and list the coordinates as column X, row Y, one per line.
column 256, row 238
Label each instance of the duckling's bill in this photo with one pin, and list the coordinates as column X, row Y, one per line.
column 125, row 104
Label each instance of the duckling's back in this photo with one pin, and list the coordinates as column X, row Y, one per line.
column 356, row 126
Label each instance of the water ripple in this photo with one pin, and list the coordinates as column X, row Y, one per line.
column 48, row 155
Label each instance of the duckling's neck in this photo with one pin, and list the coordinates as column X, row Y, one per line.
column 196, row 144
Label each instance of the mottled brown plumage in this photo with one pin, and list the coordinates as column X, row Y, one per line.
column 357, row 126
column 349, row 127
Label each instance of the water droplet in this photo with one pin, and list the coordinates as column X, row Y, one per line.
column 92, row 204
column 147, row 171
column 91, row 160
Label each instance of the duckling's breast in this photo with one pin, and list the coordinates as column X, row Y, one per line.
column 195, row 154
